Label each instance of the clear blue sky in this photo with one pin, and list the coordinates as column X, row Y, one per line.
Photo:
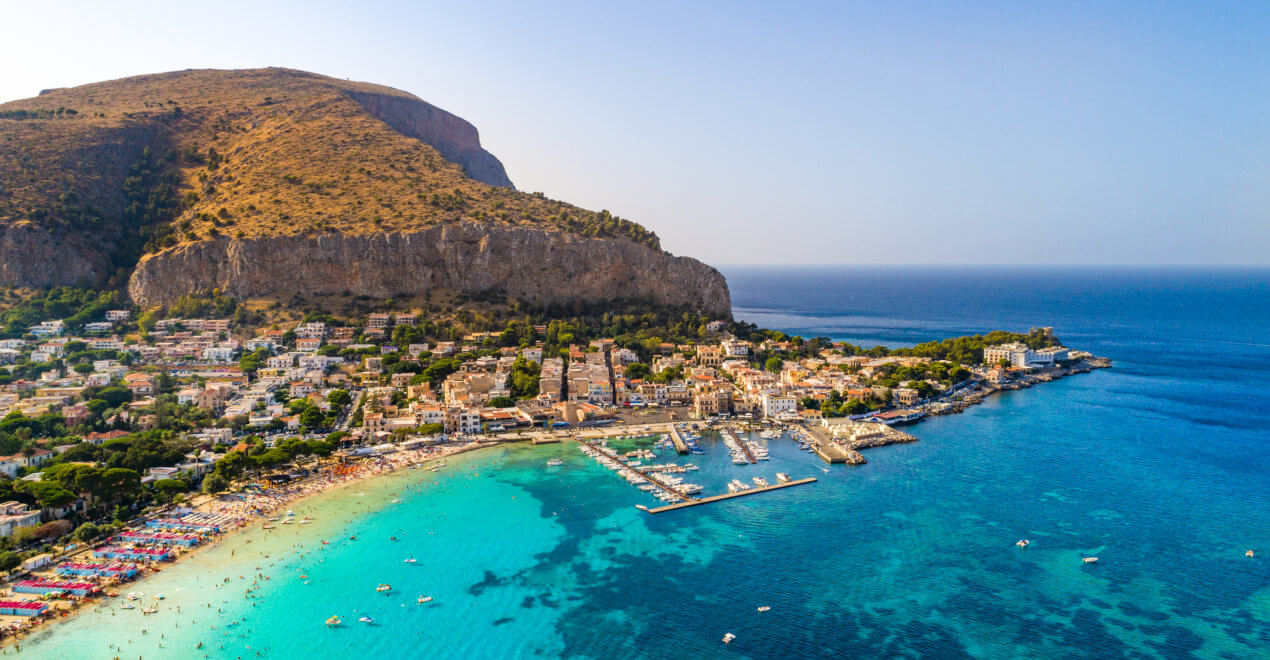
column 788, row 132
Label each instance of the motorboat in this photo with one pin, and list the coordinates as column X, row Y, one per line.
column 411, row 560
column 1250, row 554
column 727, row 639
column 555, row 462
column 1090, row 560
column 366, row 619
column 334, row 621
column 383, row 587
column 764, row 608
column 782, row 477
column 760, row 481
column 132, row 595
column 127, row 606
column 149, row 610
column 1022, row 543
column 423, row 599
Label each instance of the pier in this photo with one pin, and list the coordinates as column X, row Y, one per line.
column 745, row 446
column 675, row 437
column 728, row 496
column 650, row 475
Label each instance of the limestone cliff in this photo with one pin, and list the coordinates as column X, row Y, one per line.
column 536, row 266
column 276, row 181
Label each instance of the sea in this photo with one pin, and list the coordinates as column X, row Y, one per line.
column 1158, row 466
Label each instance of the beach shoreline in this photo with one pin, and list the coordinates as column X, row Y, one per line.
column 310, row 489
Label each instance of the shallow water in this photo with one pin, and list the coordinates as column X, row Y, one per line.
column 1157, row 466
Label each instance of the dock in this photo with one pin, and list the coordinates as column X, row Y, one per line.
column 742, row 445
column 728, row 496
column 675, row 437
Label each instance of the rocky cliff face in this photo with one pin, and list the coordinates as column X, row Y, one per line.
column 31, row 256
column 536, row 266
column 456, row 139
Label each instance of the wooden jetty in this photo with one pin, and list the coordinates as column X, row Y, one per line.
column 745, row 448
column 728, row 496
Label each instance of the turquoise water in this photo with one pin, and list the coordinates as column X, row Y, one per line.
column 1157, row 466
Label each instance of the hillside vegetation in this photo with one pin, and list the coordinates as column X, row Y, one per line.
column 137, row 165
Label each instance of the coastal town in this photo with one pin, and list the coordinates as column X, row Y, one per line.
column 130, row 441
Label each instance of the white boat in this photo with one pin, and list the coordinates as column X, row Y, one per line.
column 1090, row 560
column 727, row 639
column 366, row 619
column 781, row 476
column 127, row 606
column 383, row 587
column 149, row 610
column 554, row 462
column 764, row 608
column 760, row 481
column 334, row 621
column 158, row 596
column 411, row 560
column 641, row 507
column 423, row 599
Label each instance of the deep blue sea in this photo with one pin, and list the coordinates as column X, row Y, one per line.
column 1160, row 466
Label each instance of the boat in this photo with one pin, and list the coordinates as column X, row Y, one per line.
column 1090, row 560
column 334, row 621
column 554, row 462
column 641, row 507
column 127, row 606
column 411, row 560
column 149, row 610
column 366, row 619
column 727, row 639
column 305, row 522
column 132, row 595
column 158, row 596
column 764, row 608
column 384, row 587
column 782, row 477
column 1249, row 554
column 1022, row 543
column 760, row 481
column 266, row 526
column 423, row 599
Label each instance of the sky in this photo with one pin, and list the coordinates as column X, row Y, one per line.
column 787, row 132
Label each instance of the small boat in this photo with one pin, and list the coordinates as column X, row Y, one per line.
column 132, row 595
column 334, row 621
column 305, row 522
column 727, row 639
column 555, row 462
column 127, row 606
column 764, row 608
column 423, row 599
column 411, row 560
column 1022, row 543
column 366, row 619
column 760, row 481
column 149, row 610
column 158, row 596
column 641, row 507
column 266, row 526
column 782, row 477
column 1249, row 554
column 384, row 587
column 1090, row 560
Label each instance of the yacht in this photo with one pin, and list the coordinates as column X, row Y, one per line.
column 554, row 462
column 782, row 477
column 760, row 481
column 366, row 619
column 423, row 599
column 727, row 639
column 1090, row 560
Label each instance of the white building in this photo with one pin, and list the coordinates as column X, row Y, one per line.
column 1018, row 355
column 775, row 404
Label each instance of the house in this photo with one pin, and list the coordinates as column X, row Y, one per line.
column 307, row 344
column 1016, row 354
column 48, row 329
column 776, row 404
column 9, row 465
column 532, row 353
column 406, row 319
column 15, row 515
column 735, row 348
column 117, row 315
column 904, row 396
column 378, row 321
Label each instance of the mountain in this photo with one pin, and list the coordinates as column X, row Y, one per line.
column 276, row 182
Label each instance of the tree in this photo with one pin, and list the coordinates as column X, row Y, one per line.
column 83, row 368
column 637, row 371
column 50, row 495
column 339, row 398
column 773, row 364
column 170, row 487
column 9, row 560
column 214, row 483
column 501, row 402
column 312, row 417
column 118, row 483
column 87, row 532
